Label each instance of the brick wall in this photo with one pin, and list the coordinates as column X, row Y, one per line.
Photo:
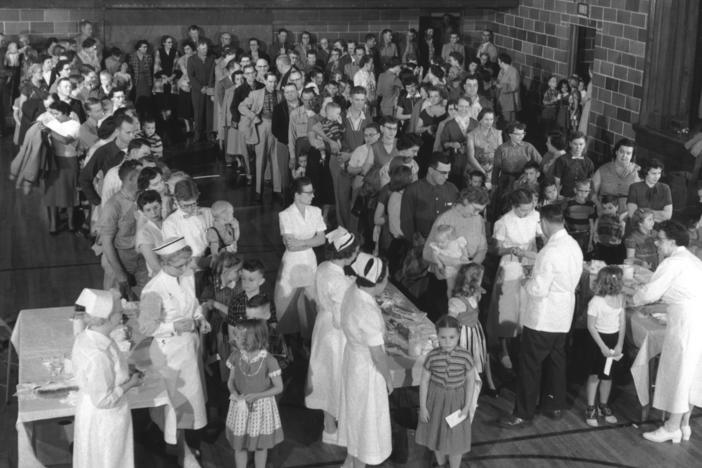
column 537, row 35
column 124, row 26
column 44, row 22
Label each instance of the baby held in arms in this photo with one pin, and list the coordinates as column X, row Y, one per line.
column 449, row 251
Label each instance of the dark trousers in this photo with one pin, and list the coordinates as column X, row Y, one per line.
column 541, row 349
column 202, row 109
column 434, row 300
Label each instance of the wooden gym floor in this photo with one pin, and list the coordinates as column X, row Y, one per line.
column 39, row 270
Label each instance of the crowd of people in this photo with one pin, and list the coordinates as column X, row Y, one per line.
column 408, row 164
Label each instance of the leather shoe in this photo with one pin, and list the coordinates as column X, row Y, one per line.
column 662, row 435
column 514, row 422
column 556, row 415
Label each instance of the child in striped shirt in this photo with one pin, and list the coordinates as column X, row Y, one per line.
column 580, row 214
column 148, row 133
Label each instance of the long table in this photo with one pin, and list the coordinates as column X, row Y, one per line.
column 405, row 370
column 38, row 335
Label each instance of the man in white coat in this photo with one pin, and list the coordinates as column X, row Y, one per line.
column 549, row 312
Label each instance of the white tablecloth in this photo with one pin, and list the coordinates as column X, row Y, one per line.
column 647, row 335
column 38, row 335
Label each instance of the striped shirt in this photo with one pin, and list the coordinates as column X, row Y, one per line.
column 448, row 369
column 609, row 230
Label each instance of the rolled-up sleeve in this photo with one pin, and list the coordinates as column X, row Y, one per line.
column 150, row 316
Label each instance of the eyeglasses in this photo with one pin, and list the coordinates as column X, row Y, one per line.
column 519, row 134
column 392, row 128
column 443, row 173
column 188, row 206
column 308, row 192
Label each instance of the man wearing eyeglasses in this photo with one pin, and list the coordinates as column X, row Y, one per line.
column 510, row 159
column 261, row 70
column 424, row 200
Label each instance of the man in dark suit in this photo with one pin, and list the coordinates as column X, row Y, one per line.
column 201, row 75
column 280, row 127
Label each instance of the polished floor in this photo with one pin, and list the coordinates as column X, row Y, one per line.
column 38, row 270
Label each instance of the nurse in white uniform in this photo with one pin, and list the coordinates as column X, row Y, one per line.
column 103, row 425
column 170, row 313
column 328, row 340
column 677, row 282
column 364, row 416
column 302, row 228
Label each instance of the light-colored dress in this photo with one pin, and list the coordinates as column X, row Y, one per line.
column 103, row 425
column 485, row 143
column 176, row 356
column 507, row 300
column 364, row 416
column 297, row 270
column 677, row 282
column 328, row 340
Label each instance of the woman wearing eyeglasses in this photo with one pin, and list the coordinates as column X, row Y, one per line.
column 302, row 228
column 171, row 314
column 676, row 282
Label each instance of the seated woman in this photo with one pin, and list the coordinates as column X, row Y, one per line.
column 650, row 193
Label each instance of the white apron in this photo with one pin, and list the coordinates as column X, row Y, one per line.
column 328, row 341
column 679, row 379
column 177, row 356
column 677, row 282
column 364, row 416
column 103, row 425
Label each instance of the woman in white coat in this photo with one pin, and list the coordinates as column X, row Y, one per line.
column 171, row 314
column 364, row 415
column 677, row 282
column 302, row 228
column 103, row 425
column 328, row 340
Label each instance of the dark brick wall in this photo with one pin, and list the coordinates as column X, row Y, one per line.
column 122, row 27
column 537, row 35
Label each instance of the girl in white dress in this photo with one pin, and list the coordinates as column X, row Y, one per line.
column 364, row 414
column 328, row 340
column 103, row 425
column 515, row 234
column 302, row 228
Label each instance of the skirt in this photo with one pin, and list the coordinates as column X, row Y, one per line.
column 436, row 435
column 473, row 339
column 595, row 359
column 253, row 426
column 60, row 186
column 236, row 143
